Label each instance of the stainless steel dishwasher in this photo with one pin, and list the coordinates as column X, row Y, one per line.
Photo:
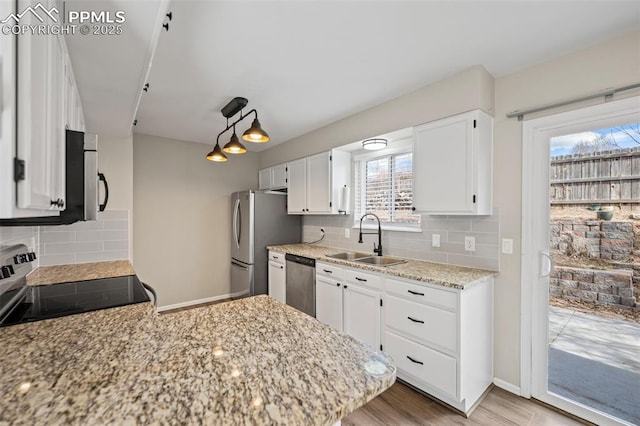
column 301, row 283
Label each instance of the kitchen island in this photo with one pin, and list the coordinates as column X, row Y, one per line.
column 252, row 361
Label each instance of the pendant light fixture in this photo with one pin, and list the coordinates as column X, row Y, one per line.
column 255, row 133
column 374, row 144
column 217, row 155
column 234, row 146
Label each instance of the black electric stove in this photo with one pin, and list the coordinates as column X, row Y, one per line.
column 20, row 303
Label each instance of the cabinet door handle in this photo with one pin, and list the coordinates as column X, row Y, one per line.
column 282, row 267
column 415, row 320
column 414, row 360
column 274, row 257
column 416, row 293
column 345, row 286
column 328, row 271
column 361, row 279
column 338, row 284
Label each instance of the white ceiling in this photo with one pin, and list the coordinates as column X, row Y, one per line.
column 111, row 69
column 305, row 64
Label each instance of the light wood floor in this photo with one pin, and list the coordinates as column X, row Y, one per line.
column 401, row 405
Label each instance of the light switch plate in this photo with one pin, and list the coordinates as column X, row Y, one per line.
column 470, row 243
column 507, row 246
column 435, row 240
column 347, row 233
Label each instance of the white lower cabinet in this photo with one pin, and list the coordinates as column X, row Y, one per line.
column 347, row 304
column 329, row 304
column 362, row 314
column 431, row 367
column 277, row 276
column 440, row 338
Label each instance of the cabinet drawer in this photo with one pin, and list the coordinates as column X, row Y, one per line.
column 423, row 294
column 432, row 367
column 435, row 327
column 276, row 257
column 329, row 270
column 358, row 277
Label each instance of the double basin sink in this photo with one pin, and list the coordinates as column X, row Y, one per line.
column 367, row 258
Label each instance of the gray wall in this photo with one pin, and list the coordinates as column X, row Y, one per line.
column 181, row 216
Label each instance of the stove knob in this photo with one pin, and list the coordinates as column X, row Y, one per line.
column 31, row 256
column 4, row 272
column 16, row 259
column 11, row 271
column 24, row 258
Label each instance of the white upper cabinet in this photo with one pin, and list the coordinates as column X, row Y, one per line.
column 43, row 100
column 264, row 179
column 314, row 183
column 297, row 188
column 273, row 177
column 278, row 176
column 452, row 169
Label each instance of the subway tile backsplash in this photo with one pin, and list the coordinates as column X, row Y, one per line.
column 104, row 239
column 417, row 245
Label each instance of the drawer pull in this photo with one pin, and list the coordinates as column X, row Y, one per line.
column 361, row 279
column 416, row 361
column 415, row 320
column 328, row 271
column 338, row 284
column 416, row 293
column 275, row 257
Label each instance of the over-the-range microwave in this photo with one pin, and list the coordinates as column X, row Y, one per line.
column 82, row 179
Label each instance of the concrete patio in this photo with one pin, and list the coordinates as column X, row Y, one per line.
column 595, row 361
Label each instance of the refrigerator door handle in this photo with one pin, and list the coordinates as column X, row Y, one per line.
column 236, row 232
column 244, row 268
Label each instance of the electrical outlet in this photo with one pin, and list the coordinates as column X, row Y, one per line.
column 507, row 246
column 470, row 243
column 435, row 240
column 347, row 233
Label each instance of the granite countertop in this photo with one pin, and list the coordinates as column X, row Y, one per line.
column 79, row 272
column 458, row 277
column 251, row 361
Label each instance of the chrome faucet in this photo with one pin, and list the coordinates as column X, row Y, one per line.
column 377, row 250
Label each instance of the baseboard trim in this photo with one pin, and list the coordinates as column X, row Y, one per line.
column 506, row 386
column 193, row 302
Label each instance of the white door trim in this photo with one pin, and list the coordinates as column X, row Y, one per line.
column 535, row 186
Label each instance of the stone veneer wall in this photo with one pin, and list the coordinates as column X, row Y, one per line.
column 612, row 287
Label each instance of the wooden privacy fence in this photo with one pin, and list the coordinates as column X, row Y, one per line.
column 603, row 177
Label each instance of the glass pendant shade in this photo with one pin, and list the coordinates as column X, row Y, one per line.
column 217, row 155
column 234, row 146
column 255, row 133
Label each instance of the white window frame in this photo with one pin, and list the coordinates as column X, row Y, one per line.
column 400, row 147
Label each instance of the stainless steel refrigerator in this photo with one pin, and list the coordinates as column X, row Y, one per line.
column 259, row 219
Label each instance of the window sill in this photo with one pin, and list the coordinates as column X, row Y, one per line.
column 369, row 227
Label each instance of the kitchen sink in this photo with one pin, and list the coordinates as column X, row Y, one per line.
column 380, row 260
column 348, row 255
